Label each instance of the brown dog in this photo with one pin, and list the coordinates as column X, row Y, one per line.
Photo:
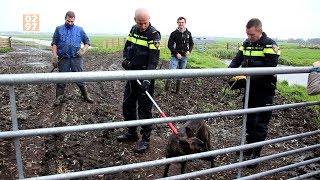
column 193, row 137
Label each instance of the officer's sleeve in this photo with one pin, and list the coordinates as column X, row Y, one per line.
column 55, row 38
column 171, row 44
column 84, row 37
column 125, row 49
column 271, row 53
column 236, row 61
column 154, row 50
column 191, row 43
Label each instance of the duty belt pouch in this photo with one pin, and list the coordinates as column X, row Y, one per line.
column 313, row 87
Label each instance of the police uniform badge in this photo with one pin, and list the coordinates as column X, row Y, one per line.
column 275, row 48
column 157, row 43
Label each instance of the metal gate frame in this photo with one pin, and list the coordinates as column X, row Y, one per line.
column 45, row 78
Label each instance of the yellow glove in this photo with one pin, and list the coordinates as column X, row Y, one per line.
column 54, row 61
column 81, row 52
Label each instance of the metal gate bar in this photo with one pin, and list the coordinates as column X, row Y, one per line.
column 284, row 168
column 15, row 128
column 128, row 167
column 240, row 164
column 122, row 124
column 306, row 175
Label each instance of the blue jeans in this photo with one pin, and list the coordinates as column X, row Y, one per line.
column 70, row 65
column 176, row 63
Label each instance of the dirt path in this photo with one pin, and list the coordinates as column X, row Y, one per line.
column 90, row 150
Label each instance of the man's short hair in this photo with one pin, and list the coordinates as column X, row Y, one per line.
column 181, row 18
column 254, row 22
column 70, row 14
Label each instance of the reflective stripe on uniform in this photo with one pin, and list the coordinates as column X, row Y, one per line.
column 253, row 53
column 241, row 48
column 152, row 46
column 269, row 50
column 135, row 39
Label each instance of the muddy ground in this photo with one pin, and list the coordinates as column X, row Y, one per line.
column 45, row 155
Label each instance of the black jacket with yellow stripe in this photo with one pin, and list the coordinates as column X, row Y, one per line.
column 143, row 48
column 263, row 53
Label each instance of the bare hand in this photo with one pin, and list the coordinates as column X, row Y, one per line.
column 179, row 56
column 54, row 61
column 81, row 52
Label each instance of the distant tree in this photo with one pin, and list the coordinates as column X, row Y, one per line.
column 299, row 41
column 313, row 41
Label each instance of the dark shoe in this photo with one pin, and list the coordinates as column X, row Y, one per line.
column 167, row 85
column 253, row 156
column 58, row 101
column 59, row 96
column 85, row 94
column 246, row 152
column 178, row 86
column 128, row 137
column 142, row 146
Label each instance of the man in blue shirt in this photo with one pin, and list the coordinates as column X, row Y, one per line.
column 67, row 53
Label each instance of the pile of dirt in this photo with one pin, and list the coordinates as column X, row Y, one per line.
column 44, row 155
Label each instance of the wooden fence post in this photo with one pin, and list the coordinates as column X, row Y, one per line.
column 10, row 44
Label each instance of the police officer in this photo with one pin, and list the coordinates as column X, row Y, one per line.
column 180, row 44
column 141, row 52
column 67, row 53
column 258, row 51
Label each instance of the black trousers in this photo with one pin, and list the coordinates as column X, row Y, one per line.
column 135, row 100
column 257, row 123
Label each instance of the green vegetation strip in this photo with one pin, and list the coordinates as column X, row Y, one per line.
column 5, row 49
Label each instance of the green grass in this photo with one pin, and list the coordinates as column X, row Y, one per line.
column 196, row 59
column 299, row 57
column 297, row 93
column 202, row 60
column 5, row 49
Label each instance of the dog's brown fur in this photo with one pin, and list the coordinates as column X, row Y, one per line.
column 193, row 137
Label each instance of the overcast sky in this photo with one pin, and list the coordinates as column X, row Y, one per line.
column 281, row 18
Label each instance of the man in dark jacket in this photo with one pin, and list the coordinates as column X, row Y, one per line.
column 141, row 52
column 258, row 51
column 180, row 44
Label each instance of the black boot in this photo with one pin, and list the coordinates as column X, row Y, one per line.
column 178, row 86
column 131, row 135
column 246, row 152
column 167, row 85
column 143, row 144
column 59, row 96
column 255, row 154
column 85, row 94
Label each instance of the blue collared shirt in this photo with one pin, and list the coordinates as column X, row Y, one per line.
column 68, row 40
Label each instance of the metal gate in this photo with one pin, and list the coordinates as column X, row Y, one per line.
column 45, row 78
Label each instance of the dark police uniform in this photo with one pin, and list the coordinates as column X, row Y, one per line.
column 263, row 53
column 142, row 52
